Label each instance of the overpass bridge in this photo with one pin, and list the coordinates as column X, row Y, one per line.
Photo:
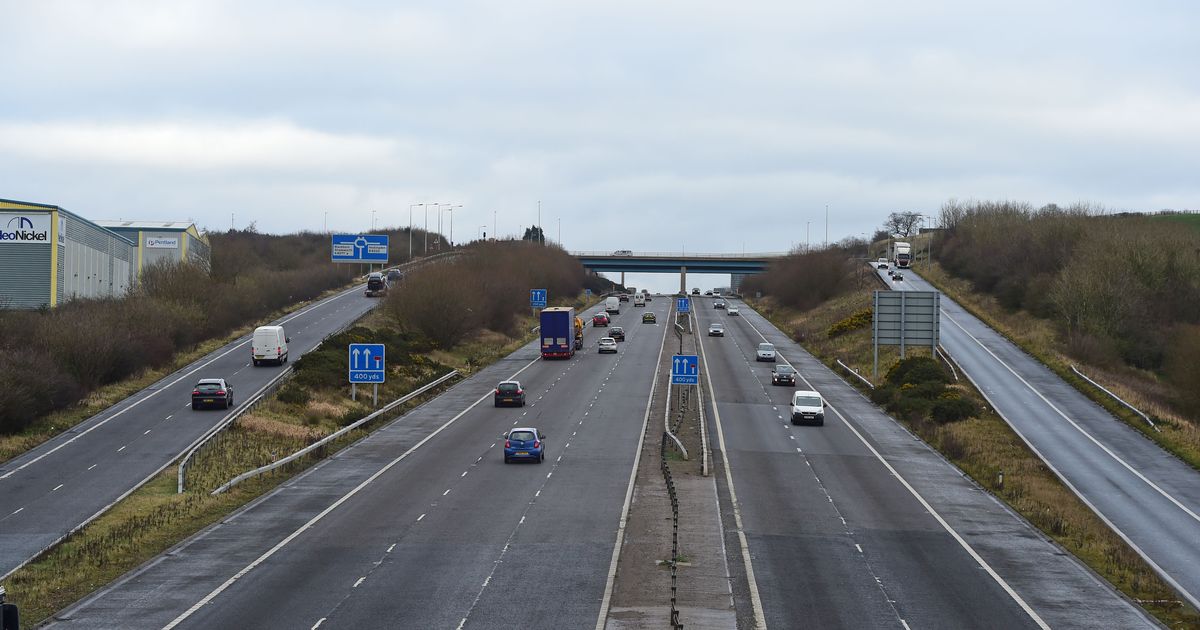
column 738, row 266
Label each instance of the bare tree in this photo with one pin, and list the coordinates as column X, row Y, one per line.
column 903, row 224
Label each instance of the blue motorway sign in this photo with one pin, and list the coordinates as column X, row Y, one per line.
column 360, row 248
column 367, row 362
column 587, row 293
column 685, row 369
column 683, row 305
column 537, row 298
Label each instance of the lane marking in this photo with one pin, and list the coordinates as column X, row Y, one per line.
column 335, row 505
column 318, row 624
column 91, row 467
column 122, row 448
column 18, row 510
column 360, row 581
column 58, row 486
column 418, row 520
column 925, row 504
column 389, row 549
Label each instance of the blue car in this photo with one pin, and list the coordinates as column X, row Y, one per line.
column 524, row 443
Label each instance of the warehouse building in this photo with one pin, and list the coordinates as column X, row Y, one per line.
column 157, row 241
column 48, row 255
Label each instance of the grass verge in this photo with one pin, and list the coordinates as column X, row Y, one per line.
column 104, row 397
column 314, row 404
column 982, row 447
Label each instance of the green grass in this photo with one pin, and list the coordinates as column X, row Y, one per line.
column 1192, row 219
column 982, row 447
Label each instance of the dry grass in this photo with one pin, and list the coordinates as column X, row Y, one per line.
column 1144, row 390
column 984, row 446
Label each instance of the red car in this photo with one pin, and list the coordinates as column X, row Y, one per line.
column 599, row 319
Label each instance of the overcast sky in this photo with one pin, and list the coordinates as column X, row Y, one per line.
column 640, row 125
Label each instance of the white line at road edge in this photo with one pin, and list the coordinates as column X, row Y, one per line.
column 313, row 521
column 760, row 617
column 602, row 618
column 1192, row 599
column 164, row 387
column 929, row 508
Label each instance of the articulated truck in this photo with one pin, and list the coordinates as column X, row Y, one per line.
column 902, row 254
column 558, row 332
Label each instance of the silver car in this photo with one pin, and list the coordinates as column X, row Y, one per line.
column 607, row 344
column 733, row 311
column 716, row 330
column 765, row 352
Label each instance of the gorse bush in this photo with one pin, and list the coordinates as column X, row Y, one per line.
column 915, row 389
column 857, row 321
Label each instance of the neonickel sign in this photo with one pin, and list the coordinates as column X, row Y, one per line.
column 24, row 228
column 158, row 242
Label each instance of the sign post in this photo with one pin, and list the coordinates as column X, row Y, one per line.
column 366, row 365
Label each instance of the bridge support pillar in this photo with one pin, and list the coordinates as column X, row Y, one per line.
column 622, row 279
column 683, row 280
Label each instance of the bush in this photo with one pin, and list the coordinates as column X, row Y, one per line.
column 914, row 370
column 293, row 394
column 807, row 280
column 952, row 409
column 859, row 320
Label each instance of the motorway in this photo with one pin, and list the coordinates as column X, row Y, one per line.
column 856, row 524
column 421, row 524
column 1148, row 496
column 53, row 489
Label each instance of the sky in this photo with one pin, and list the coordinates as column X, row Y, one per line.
column 662, row 126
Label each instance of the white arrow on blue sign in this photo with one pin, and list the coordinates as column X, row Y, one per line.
column 367, row 363
column 683, row 305
column 685, row 369
column 537, row 298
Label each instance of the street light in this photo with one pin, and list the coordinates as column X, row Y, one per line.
column 449, row 209
column 410, row 207
column 425, row 251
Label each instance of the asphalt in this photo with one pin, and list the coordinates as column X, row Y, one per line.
column 421, row 524
column 1151, row 498
column 58, row 486
column 858, row 524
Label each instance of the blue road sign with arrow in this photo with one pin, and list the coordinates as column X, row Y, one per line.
column 683, row 305
column 685, row 369
column 367, row 363
column 537, row 298
column 360, row 248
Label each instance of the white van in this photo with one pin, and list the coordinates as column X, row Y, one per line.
column 808, row 407
column 612, row 304
column 269, row 345
column 639, row 299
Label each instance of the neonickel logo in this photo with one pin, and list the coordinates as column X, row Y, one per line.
column 23, row 231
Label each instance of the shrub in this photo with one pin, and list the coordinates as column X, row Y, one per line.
column 293, row 394
column 952, row 409
column 915, row 370
column 859, row 320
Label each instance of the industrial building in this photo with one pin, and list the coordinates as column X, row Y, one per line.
column 48, row 255
column 156, row 241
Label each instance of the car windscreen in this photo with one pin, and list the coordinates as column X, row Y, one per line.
column 617, row 329
column 508, row 388
column 784, row 369
column 208, row 387
column 523, row 436
column 717, row 326
column 765, row 346
column 807, row 401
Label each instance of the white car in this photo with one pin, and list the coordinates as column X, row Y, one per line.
column 733, row 311
column 607, row 344
column 716, row 330
column 765, row 352
column 882, row 263
column 808, row 407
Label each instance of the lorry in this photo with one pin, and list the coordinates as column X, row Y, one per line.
column 612, row 304
column 579, row 333
column 901, row 254
column 558, row 332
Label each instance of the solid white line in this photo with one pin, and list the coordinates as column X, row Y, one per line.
column 323, row 513
column 760, row 618
column 606, row 601
column 318, row 624
column 929, row 508
column 1073, row 423
column 18, row 510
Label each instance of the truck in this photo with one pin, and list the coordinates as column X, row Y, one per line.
column 579, row 333
column 377, row 284
column 901, row 254
column 558, row 332
column 612, row 304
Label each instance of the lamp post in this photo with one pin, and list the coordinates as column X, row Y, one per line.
column 410, row 207
column 425, row 250
column 807, row 225
column 372, row 220
column 450, row 209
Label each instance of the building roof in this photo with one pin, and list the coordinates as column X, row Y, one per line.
column 13, row 204
column 145, row 225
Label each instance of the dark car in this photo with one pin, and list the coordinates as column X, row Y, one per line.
column 719, row 304
column 899, row 277
column 510, row 393
column 708, row 293
column 212, row 392
column 599, row 319
column 783, row 375
column 616, row 332
column 394, row 276
column 377, row 284
column 525, row 443
column 695, row 291
column 649, row 318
